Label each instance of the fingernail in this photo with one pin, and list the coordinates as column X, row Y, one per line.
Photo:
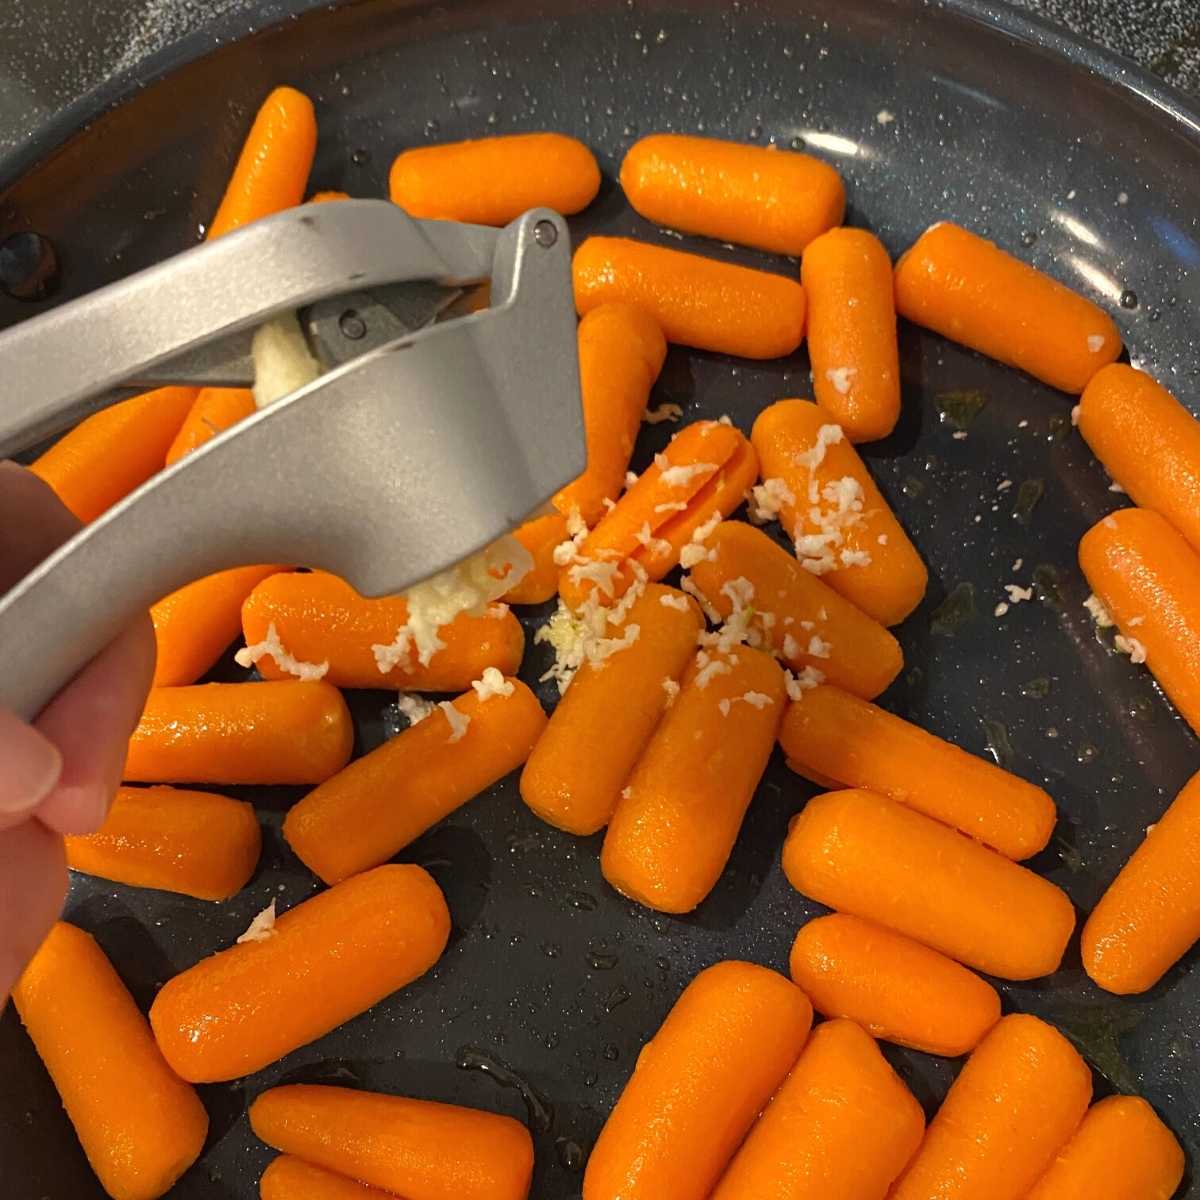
column 30, row 765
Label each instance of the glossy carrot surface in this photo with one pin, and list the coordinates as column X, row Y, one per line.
column 288, row 1178
column 213, row 411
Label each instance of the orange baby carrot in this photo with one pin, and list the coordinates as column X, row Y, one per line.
column 213, row 411
column 831, row 735
column 841, row 1127
column 759, row 196
column 696, row 301
column 381, row 802
column 139, row 1125
column 540, row 537
column 1120, row 1151
column 863, row 854
column 326, row 960
column 194, row 843
column 195, row 625
column 1150, row 915
column 895, row 988
column 419, row 1149
column 320, row 618
column 847, row 277
column 806, row 622
column 287, row 732
column 288, row 1178
column 679, row 815
column 575, row 772
column 841, row 525
column 491, row 181
column 1148, row 579
column 699, row 1084
column 1012, row 1108
column 969, row 290
column 326, row 197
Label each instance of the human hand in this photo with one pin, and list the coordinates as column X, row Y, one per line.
column 58, row 774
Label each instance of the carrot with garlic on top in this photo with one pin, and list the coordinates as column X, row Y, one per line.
column 194, row 843
column 291, row 732
column 839, row 522
column 970, row 291
column 807, row 623
column 213, row 411
column 896, row 989
column 699, row 302
column 321, row 963
column 679, row 815
column 540, row 537
column 491, row 181
column 841, row 1127
column 1147, row 579
column 1013, row 1107
column 831, row 735
column 419, row 1149
column 288, row 1178
column 698, row 1086
column 774, row 199
column 140, row 1126
column 847, row 278
column 866, row 855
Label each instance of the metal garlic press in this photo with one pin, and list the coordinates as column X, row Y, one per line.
column 430, row 433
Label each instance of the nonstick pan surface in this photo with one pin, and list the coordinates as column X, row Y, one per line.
column 552, row 982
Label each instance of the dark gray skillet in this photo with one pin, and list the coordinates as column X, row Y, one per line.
column 552, row 982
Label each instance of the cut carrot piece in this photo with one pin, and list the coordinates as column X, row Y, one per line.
column 241, row 733
column 213, row 411
column 803, row 619
column 774, row 199
column 895, row 988
column 195, row 625
column 863, row 854
column 847, row 277
column 1120, row 1151
column 1150, row 915
column 288, row 1178
column 841, row 525
column 1012, row 1108
column 696, row 301
column 491, row 181
column 326, row 197
column 380, row 803
column 970, row 291
column 194, row 843
column 841, row 1127
column 679, row 815
column 830, row 734
column 321, row 618
column 698, row 1086
column 140, row 1126
column 575, row 773
column 324, row 961
column 540, row 537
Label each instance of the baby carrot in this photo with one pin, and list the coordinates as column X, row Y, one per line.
column 805, row 621
column 696, row 301
column 378, row 804
column 419, row 1149
column 863, row 854
column 491, row 181
column 540, row 537
column 288, row 1178
column 700, row 1082
column 320, row 618
column 970, row 291
column 841, row 1127
column 831, row 735
column 194, row 843
column 324, row 961
column 1120, row 1151
column 1148, row 578
column 847, row 277
column 679, row 815
column 140, row 1126
column 1150, row 915
column 895, row 988
column 575, row 772
column 841, row 525
column 326, row 197
column 213, row 411
column 287, row 732
column 1012, row 1108
column 774, row 199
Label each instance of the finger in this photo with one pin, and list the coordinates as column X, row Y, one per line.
column 33, row 886
column 35, row 522
column 32, row 766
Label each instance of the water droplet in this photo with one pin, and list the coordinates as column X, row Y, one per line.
column 610, row 1053
column 570, row 1154
column 552, row 1041
column 616, row 997
column 1087, row 753
column 550, row 949
column 663, row 964
column 584, row 901
column 431, row 127
column 360, row 156
column 589, row 1080
column 472, row 1058
column 797, row 143
column 1029, row 237
column 602, row 962
column 756, row 132
column 1129, row 298
column 345, row 89
column 28, row 266
column 660, row 36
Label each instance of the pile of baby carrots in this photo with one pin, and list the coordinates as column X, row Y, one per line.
column 673, row 696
